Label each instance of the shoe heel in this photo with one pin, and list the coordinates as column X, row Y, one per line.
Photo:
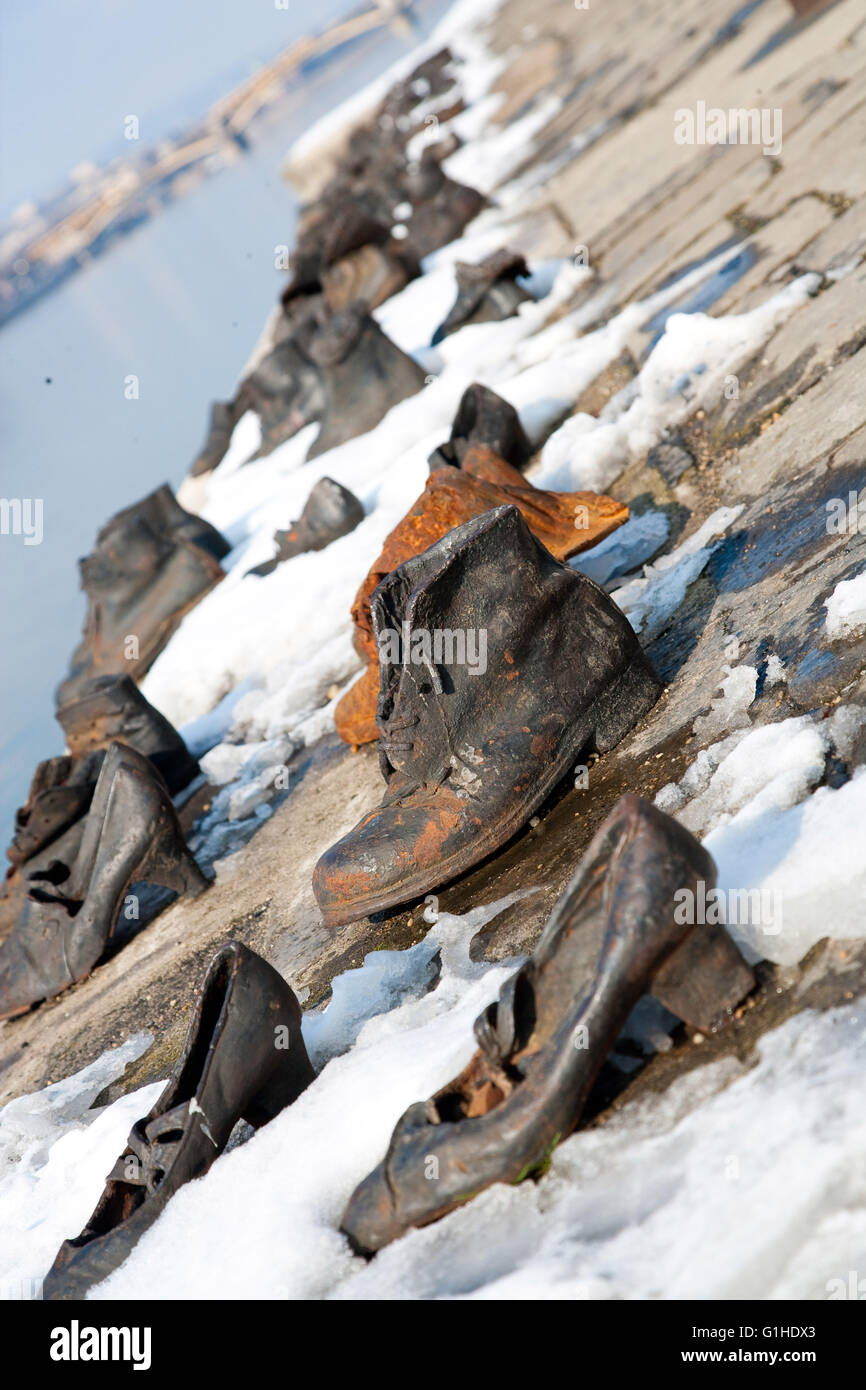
column 284, row 1087
column 704, row 978
column 170, row 864
column 183, row 876
column 620, row 708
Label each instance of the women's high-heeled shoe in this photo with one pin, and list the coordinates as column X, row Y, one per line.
column 244, row 1058
column 540, row 1047
column 131, row 835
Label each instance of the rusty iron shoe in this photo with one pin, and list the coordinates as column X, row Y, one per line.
column 486, row 293
column 498, row 666
column 166, row 517
column 330, row 511
column 364, row 374
column 152, row 563
column 244, row 1058
column 131, row 835
column 109, row 708
column 112, row 709
column 485, row 418
column 566, row 523
column 541, row 1046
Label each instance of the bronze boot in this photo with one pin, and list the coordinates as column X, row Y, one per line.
column 498, row 666
column 152, row 563
column 541, row 1046
column 364, row 373
column 486, row 293
column 485, row 418
column 110, row 707
column 330, row 511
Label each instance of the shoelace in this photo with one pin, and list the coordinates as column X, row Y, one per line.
column 389, row 744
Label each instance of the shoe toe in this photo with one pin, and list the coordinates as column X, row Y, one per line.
column 369, row 1221
column 390, row 857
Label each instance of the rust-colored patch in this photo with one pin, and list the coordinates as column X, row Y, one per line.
column 428, row 846
column 541, row 745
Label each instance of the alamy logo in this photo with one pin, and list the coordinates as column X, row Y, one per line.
column 737, row 126
column 846, row 518
column 441, row 646
column 76, row 1343
column 22, row 516
column 732, row 907
column 853, row 1287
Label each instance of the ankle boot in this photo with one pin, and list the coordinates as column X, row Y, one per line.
column 486, row 293
column 441, row 208
column 330, row 511
column 113, row 708
column 498, row 666
column 166, row 518
column 131, row 835
column 244, row 1058
column 110, row 707
column 339, row 224
column 364, row 374
column 484, row 418
column 566, row 522
column 60, row 793
column 541, row 1046
column 140, row 583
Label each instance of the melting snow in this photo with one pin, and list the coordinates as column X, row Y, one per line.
column 846, row 607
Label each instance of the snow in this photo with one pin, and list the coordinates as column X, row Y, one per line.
column 685, row 370
column 621, row 552
column 648, row 602
column 729, row 710
column 846, row 608
column 748, row 798
column 54, row 1153
column 653, row 1204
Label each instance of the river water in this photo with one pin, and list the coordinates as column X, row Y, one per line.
column 178, row 304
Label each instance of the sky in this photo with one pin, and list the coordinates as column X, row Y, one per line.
column 72, row 70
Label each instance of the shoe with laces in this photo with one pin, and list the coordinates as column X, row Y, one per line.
column 498, row 666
